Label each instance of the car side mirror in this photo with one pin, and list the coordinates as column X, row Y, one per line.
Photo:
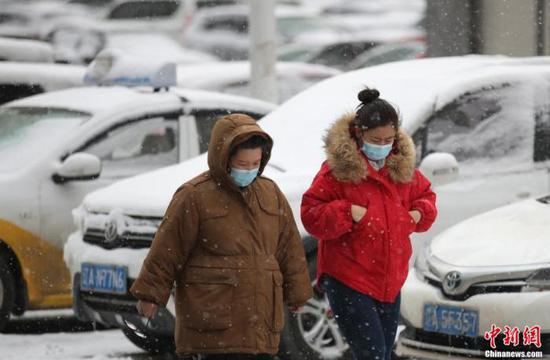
column 440, row 168
column 78, row 166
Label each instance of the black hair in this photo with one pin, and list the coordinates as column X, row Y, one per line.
column 253, row 142
column 374, row 111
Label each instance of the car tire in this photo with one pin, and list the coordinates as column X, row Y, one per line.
column 298, row 341
column 7, row 293
column 150, row 343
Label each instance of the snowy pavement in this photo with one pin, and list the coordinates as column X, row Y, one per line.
column 21, row 342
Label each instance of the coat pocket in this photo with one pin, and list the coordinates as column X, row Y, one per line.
column 278, row 305
column 208, row 298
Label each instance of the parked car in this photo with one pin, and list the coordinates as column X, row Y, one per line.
column 486, row 112
column 223, row 30
column 234, row 77
column 492, row 270
column 57, row 147
column 19, row 80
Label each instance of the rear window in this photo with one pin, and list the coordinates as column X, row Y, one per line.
column 144, row 10
column 10, row 92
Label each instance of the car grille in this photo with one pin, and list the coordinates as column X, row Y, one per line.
column 468, row 343
column 126, row 240
column 479, row 289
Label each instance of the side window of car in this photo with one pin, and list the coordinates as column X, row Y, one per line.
column 492, row 122
column 206, row 120
column 136, row 146
column 542, row 134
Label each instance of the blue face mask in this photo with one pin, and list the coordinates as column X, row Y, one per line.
column 244, row 178
column 376, row 152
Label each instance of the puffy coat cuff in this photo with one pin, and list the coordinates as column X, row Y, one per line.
column 428, row 214
column 297, row 290
column 150, row 291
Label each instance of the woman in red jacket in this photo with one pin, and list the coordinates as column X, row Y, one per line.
column 362, row 207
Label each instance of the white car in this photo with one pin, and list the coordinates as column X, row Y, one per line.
column 488, row 272
column 486, row 111
column 234, row 77
column 19, row 80
column 57, row 147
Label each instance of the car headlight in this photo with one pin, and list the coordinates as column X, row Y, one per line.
column 79, row 218
column 538, row 281
column 421, row 262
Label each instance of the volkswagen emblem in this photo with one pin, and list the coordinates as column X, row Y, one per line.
column 452, row 281
column 111, row 232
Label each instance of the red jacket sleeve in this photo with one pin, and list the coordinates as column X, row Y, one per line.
column 324, row 214
column 423, row 200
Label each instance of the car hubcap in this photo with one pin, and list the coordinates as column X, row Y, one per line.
column 319, row 329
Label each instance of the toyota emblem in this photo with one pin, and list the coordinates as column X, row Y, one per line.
column 452, row 281
column 111, row 232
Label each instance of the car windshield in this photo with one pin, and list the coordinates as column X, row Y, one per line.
column 26, row 131
column 291, row 27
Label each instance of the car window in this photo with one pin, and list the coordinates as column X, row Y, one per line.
column 542, row 133
column 144, row 9
column 390, row 55
column 237, row 25
column 26, row 131
column 136, row 146
column 493, row 122
column 341, row 54
column 205, row 122
column 9, row 92
column 13, row 19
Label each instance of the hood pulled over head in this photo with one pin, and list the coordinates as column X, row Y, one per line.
column 228, row 132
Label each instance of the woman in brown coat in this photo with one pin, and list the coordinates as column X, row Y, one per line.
column 230, row 251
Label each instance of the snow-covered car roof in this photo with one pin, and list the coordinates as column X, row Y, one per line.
column 100, row 100
column 155, row 45
column 416, row 87
column 25, row 50
column 49, row 76
column 519, row 232
column 210, row 75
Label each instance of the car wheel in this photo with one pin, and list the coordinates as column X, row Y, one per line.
column 150, row 343
column 7, row 293
column 313, row 333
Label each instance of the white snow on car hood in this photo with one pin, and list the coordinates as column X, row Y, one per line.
column 299, row 125
column 516, row 234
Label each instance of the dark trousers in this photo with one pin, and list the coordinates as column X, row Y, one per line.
column 368, row 325
column 229, row 357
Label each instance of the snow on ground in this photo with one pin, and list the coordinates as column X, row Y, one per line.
column 96, row 345
column 22, row 339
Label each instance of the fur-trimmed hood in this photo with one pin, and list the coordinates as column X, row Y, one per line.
column 347, row 164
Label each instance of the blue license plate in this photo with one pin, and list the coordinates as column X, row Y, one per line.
column 450, row 320
column 104, row 278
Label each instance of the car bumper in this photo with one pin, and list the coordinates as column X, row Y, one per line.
column 112, row 309
column 513, row 309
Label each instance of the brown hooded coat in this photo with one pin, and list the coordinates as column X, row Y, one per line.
column 235, row 256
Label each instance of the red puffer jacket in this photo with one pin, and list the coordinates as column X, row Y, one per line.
column 371, row 256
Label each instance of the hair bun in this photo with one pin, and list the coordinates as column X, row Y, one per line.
column 367, row 95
